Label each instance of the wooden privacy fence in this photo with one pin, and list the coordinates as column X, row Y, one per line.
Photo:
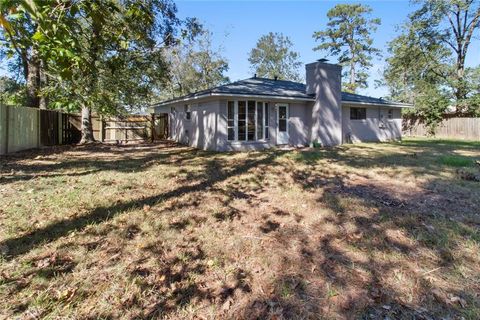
column 24, row 128
column 453, row 128
column 124, row 129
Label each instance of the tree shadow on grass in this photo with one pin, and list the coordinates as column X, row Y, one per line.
column 368, row 267
column 96, row 158
column 23, row 244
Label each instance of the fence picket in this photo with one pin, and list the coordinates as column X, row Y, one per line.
column 452, row 128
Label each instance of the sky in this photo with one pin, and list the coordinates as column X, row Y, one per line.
column 237, row 25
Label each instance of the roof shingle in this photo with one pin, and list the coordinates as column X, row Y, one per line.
column 278, row 88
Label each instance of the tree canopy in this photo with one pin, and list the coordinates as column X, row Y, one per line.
column 103, row 56
column 273, row 56
column 348, row 37
column 197, row 66
column 426, row 63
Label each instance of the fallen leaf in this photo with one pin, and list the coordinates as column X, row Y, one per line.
column 459, row 300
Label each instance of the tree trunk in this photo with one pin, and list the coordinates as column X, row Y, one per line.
column 352, row 77
column 87, row 130
column 43, row 100
column 33, row 81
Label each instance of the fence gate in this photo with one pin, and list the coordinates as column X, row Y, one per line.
column 71, row 134
column 161, row 126
column 49, row 133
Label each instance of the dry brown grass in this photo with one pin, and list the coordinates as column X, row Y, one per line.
column 162, row 231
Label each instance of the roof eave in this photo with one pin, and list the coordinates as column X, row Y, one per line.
column 389, row 105
column 219, row 94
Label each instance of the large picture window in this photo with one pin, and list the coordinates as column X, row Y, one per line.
column 247, row 120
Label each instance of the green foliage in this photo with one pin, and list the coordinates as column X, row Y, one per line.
column 103, row 55
column 413, row 64
column 11, row 92
column 426, row 65
column 455, row 161
column 348, row 36
column 273, row 56
column 452, row 24
column 194, row 65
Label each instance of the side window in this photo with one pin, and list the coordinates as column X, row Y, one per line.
column 188, row 112
column 358, row 113
column 390, row 113
column 172, row 109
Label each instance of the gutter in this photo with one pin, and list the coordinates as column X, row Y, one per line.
column 389, row 105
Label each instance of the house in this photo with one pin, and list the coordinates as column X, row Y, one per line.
column 259, row 113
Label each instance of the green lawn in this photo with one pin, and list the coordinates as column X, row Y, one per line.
column 362, row 231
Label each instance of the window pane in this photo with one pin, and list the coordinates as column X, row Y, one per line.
column 266, row 114
column 242, row 114
column 231, row 110
column 282, row 118
column 358, row 113
column 259, row 120
column 231, row 133
column 251, row 120
column 231, row 120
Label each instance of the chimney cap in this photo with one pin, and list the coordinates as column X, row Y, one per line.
column 255, row 75
column 275, row 78
column 323, row 60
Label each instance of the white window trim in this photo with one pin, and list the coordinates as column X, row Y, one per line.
column 263, row 139
column 235, row 120
column 278, row 119
column 188, row 109
column 265, row 127
column 390, row 115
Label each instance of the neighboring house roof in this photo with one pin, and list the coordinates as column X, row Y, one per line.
column 281, row 89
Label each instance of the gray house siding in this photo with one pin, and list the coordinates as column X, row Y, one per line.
column 299, row 123
column 376, row 126
column 324, row 80
column 201, row 131
column 203, row 125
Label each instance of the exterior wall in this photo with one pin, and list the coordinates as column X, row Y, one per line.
column 201, row 130
column 203, row 125
column 324, row 80
column 299, row 123
column 207, row 128
column 376, row 126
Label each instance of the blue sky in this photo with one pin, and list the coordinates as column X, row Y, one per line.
column 237, row 25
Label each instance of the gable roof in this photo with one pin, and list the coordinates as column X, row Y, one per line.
column 281, row 89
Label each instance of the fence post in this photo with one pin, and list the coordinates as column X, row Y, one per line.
column 102, row 129
column 7, row 135
column 152, row 127
column 59, row 128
